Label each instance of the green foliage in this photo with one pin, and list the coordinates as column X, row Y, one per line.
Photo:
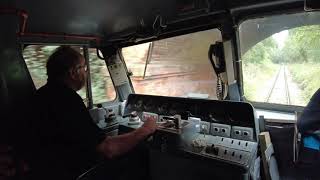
column 307, row 76
column 261, row 53
column 258, row 68
column 301, row 52
column 255, row 78
column 306, row 35
column 302, row 45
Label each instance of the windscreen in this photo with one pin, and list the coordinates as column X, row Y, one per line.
column 281, row 58
column 177, row 66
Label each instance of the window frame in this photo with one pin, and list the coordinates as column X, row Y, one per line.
column 262, row 105
column 87, row 58
column 85, row 52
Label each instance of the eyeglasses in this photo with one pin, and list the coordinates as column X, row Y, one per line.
column 85, row 67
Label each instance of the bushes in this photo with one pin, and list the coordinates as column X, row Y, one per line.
column 307, row 77
column 256, row 78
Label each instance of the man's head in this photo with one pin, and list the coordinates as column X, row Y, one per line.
column 68, row 66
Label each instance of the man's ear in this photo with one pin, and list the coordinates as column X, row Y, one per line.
column 73, row 74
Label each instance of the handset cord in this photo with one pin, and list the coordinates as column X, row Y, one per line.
column 220, row 88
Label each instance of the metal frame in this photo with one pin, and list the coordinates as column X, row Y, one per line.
column 262, row 105
column 86, row 57
column 88, row 84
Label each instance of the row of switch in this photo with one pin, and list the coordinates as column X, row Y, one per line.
column 212, row 150
column 237, row 156
column 215, row 151
column 224, row 130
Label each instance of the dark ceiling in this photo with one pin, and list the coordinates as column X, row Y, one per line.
column 125, row 21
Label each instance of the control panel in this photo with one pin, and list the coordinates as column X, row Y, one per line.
column 223, row 142
column 224, row 130
column 213, row 111
column 167, row 123
column 220, row 131
column 226, row 149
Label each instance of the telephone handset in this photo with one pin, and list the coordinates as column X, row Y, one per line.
column 218, row 65
column 217, row 50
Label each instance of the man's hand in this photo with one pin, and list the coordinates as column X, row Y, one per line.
column 149, row 125
column 117, row 145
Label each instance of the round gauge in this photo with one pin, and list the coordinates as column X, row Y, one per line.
column 139, row 105
column 164, row 108
column 174, row 109
column 148, row 106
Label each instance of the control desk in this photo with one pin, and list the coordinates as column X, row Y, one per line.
column 214, row 142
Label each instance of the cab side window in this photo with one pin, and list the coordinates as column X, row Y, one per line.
column 101, row 82
column 36, row 57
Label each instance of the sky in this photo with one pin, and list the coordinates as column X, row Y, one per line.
column 281, row 38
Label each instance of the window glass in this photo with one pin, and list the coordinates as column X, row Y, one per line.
column 101, row 83
column 36, row 57
column 280, row 58
column 177, row 66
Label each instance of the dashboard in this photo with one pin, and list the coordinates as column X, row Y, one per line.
column 222, row 132
column 213, row 111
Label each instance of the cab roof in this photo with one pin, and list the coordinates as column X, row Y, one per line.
column 127, row 22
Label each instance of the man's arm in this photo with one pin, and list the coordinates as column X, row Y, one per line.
column 310, row 118
column 118, row 145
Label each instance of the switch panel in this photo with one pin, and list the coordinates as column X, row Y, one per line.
column 146, row 115
column 220, row 130
column 228, row 154
column 231, row 143
column 243, row 133
column 229, row 149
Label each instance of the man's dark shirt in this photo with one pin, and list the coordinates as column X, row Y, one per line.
column 64, row 135
column 310, row 118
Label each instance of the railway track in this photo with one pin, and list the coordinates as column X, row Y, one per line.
column 279, row 92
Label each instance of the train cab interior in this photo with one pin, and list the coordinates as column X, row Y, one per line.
column 227, row 81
